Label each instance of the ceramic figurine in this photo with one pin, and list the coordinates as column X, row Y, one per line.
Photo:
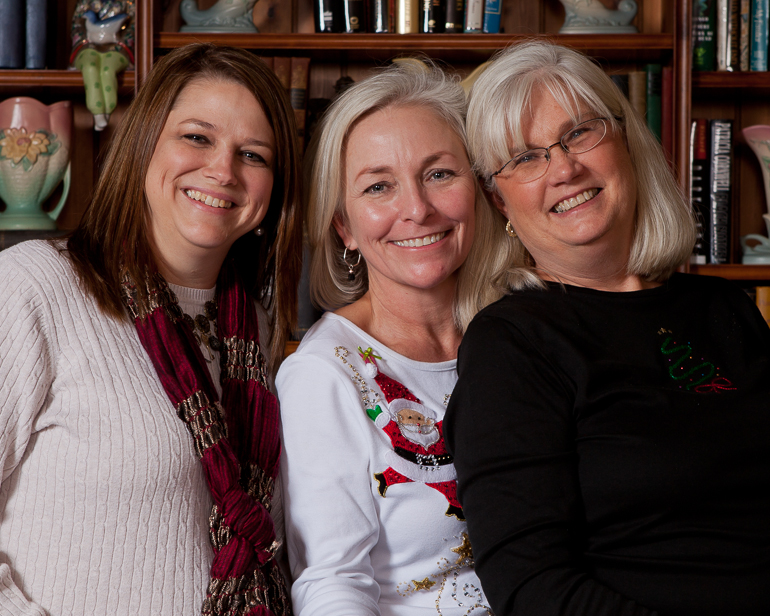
column 592, row 17
column 224, row 16
column 34, row 157
column 102, row 46
column 758, row 138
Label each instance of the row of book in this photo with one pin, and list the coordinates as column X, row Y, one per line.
column 650, row 91
column 730, row 35
column 294, row 75
column 711, row 165
column 22, row 33
column 407, row 16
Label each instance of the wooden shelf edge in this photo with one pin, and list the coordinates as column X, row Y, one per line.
column 53, row 79
column 425, row 42
column 723, row 79
column 734, row 271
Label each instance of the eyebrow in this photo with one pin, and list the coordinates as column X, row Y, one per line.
column 387, row 169
column 563, row 128
column 209, row 126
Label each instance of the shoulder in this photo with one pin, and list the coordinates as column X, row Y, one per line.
column 39, row 268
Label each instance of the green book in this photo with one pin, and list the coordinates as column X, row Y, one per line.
column 704, row 35
column 654, row 99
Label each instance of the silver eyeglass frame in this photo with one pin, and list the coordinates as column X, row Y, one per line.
column 560, row 142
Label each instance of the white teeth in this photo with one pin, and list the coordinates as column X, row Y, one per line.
column 208, row 199
column 568, row 204
column 421, row 241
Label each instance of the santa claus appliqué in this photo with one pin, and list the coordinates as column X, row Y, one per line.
column 419, row 453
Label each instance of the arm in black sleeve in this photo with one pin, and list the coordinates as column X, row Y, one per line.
column 511, row 429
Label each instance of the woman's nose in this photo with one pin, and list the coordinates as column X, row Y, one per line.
column 563, row 166
column 221, row 168
column 416, row 205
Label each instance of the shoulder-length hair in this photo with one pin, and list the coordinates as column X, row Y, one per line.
column 665, row 229
column 407, row 83
column 112, row 237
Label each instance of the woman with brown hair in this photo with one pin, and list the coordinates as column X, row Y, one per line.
column 155, row 310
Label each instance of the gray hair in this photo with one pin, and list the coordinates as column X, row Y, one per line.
column 405, row 83
column 665, row 229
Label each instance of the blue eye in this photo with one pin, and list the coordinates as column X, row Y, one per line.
column 376, row 188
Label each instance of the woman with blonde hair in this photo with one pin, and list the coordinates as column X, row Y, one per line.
column 140, row 443
column 372, row 519
column 610, row 424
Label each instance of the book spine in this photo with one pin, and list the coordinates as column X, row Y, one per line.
column 621, row 81
column 12, row 34
column 759, row 23
column 492, row 9
column 637, row 91
column 723, row 34
column 433, row 16
column 720, row 185
column 325, row 17
column 655, row 99
column 282, row 70
column 667, row 112
column 379, row 19
column 699, row 187
column 353, row 18
column 36, row 33
column 300, row 70
column 763, row 302
column 744, row 34
column 407, row 16
column 734, row 34
column 455, row 16
column 703, row 35
column 474, row 14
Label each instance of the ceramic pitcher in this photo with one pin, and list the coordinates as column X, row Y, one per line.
column 34, row 157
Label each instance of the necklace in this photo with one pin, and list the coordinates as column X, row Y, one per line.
column 204, row 328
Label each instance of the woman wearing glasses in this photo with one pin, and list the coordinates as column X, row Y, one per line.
column 611, row 422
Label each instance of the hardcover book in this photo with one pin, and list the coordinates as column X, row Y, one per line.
column 433, row 16
column 637, row 91
column 720, row 189
column 703, row 35
column 474, row 15
column 407, row 16
column 744, row 34
column 455, row 16
column 727, row 35
column 12, row 33
column 327, row 16
column 699, row 187
column 758, row 42
column 379, row 16
column 300, row 71
column 353, row 16
column 654, row 99
column 492, row 9
column 36, row 33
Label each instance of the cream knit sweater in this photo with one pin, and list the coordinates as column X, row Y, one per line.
column 103, row 504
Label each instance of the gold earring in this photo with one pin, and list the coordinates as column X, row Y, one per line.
column 509, row 229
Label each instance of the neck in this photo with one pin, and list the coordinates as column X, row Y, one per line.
column 416, row 323
column 199, row 272
column 603, row 268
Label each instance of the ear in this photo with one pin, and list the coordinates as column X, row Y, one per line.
column 342, row 231
column 494, row 198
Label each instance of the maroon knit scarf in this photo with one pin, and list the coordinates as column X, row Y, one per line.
column 236, row 441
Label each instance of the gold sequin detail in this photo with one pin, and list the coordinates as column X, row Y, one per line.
column 238, row 596
column 244, row 360
column 205, row 421
column 446, row 398
column 465, row 551
column 425, row 584
column 364, row 389
column 260, row 486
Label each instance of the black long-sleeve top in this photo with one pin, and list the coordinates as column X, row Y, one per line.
column 613, row 451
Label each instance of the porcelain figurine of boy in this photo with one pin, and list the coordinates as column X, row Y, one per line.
column 102, row 46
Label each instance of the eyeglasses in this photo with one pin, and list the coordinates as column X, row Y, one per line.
column 532, row 164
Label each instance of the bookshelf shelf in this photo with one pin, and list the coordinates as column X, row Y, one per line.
column 734, row 271
column 741, row 80
column 66, row 81
column 451, row 47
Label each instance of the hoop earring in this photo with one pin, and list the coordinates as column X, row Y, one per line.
column 509, row 229
column 351, row 273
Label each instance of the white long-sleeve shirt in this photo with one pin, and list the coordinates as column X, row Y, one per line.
column 352, row 550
